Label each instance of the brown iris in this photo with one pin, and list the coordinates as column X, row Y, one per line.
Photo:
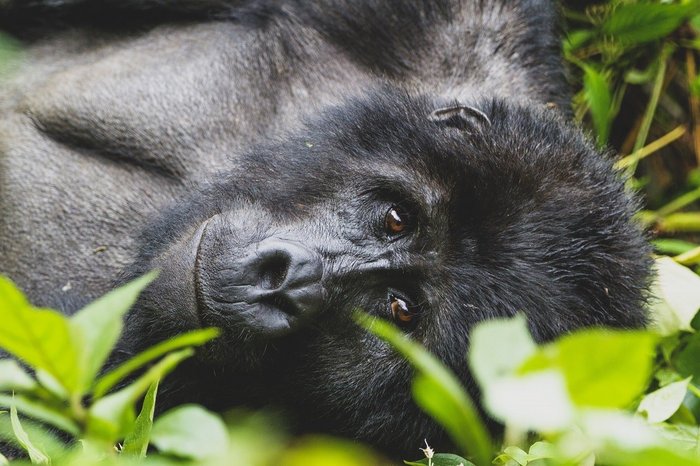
column 401, row 311
column 395, row 221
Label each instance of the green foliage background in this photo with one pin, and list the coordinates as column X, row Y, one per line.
column 600, row 397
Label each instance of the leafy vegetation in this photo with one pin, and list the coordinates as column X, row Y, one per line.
column 601, row 397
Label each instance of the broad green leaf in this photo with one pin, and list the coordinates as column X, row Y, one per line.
column 136, row 442
column 636, row 23
column 660, row 404
column 677, row 290
column 190, row 431
column 41, row 412
column 13, row 378
column 99, row 325
column 193, row 338
column 40, row 337
column 498, row 347
column 35, row 454
column 596, row 91
column 110, row 417
column 536, row 401
column 464, row 425
column 441, row 459
column 602, row 368
column 3, row 460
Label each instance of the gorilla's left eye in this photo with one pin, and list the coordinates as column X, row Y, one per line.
column 396, row 221
column 404, row 314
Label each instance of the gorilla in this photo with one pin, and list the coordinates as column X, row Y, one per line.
column 284, row 163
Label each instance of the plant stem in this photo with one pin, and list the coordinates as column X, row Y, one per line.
column 651, row 106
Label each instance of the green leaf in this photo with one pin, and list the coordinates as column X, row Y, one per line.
column 678, row 291
column 688, row 360
column 193, row 338
column 488, row 357
column 111, row 417
column 660, row 404
column 598, row 95
column 636, row 23
column 441, row 459
column 190, row 431
column 13, row 378
column 35, row 454
column 41, row 412
column 438, row 392
column 602, row 368
column 136, row 443
column 3, row 460
column 536, row 401
column 40, row 337
column 99, row 325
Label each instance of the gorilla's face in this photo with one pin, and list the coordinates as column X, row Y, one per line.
column 433, row 223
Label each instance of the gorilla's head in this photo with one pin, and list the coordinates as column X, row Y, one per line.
column 432, row 214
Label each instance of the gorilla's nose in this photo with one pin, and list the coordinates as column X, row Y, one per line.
column 268, row 287
column 285, row 274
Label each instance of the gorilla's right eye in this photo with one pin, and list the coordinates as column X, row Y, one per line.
column 396, row 221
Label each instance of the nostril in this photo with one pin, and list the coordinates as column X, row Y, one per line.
column 273, row 270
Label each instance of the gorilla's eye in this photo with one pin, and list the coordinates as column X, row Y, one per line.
column 396, row 220
column 403, row 313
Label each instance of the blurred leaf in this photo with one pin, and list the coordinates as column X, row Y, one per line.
column 684, row 437
column 48, row 381
column 99, row 325
column 40, row 337
column 602, row 368
column 13, row 378
column 515, row 454
column 190, row 431
column 660, row 404
column 326, row 451
column 688, row 359
column 672, row 246
column 438, row 392
column 41, row 412
column 136, row 442
column 35, row 454
column 487, row 356
column 636, row 23
column 536, row 401
column 112, row 416
column 441, row 459
column 597, row 94
column 193, row 338
column 3, row 460
column 576, row 39
column 677, row 290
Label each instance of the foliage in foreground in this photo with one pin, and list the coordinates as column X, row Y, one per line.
column 596, row 396
column 593, row 397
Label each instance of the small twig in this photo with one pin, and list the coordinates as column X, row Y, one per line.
column 652, row 147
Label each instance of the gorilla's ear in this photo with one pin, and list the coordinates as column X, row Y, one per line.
column 462, row 117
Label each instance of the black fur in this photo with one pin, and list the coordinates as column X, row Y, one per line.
column 510, row 207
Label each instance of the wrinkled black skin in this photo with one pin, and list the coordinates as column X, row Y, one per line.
column 519, row 215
